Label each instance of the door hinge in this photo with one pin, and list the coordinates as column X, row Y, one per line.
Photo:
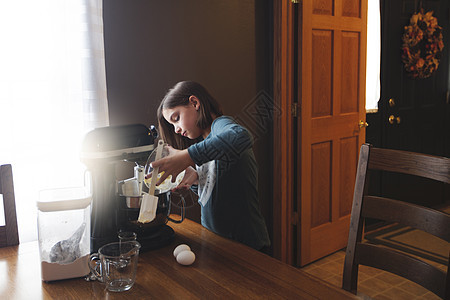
column 294, row 109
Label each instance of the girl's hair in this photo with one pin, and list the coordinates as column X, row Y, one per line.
column 179, row 96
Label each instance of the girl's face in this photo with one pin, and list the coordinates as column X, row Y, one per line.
column 184, row 118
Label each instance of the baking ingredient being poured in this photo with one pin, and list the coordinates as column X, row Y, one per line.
column 167, row 184
column 149, row 203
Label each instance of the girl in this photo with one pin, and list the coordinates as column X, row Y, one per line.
column 217, row 155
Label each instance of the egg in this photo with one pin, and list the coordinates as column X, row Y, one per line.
column 186, row 257
column 180, row 248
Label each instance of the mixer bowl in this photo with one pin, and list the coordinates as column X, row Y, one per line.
column 129, row 216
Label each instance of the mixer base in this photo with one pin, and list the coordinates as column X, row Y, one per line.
column 157, row 239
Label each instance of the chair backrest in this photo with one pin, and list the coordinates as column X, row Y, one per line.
column 429, row 220
column 9, row 235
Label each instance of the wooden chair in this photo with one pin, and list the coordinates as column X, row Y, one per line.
column 9, row 235
column 429, row 220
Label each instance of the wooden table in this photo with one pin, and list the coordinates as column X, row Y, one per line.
column 223, row 269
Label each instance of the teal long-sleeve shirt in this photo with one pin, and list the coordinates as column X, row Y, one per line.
column 232, row 209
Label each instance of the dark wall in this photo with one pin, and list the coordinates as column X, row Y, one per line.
column 223, row 44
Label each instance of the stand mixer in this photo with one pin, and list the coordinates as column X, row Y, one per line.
column 116, row 203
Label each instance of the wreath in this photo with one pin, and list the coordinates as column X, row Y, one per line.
column 422, row 45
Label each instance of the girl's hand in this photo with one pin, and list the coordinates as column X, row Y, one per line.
column 190, row 178
column 173, row 164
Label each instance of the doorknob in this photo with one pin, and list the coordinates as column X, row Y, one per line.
column 391, row 102
column 362, row 124
column 393, row 120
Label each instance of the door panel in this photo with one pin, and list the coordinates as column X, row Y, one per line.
column 332, row 77
column 351, row 8
column 349, row 73
column 323, row 7
column 321, row 183
column 322, row 69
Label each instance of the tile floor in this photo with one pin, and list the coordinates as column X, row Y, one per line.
column 372, row 283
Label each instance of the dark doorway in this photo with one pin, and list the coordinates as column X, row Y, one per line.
column 414, row 114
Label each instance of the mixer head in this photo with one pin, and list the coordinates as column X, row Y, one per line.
column 132, row 142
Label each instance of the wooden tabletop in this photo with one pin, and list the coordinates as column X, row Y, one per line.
column 223, row 269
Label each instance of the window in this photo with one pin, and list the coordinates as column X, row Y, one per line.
column 373, row 56
column 53, row 91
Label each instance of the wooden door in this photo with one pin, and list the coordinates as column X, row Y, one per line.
column 419, row 108
column 331, row 97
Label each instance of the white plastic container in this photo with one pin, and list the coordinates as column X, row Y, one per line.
column 64, row 232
